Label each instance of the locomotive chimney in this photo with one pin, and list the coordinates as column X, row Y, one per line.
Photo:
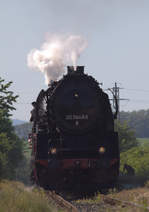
column 70, row 69
column 74, row 69
column 80, row 69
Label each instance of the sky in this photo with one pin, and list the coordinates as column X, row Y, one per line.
column 117, row 33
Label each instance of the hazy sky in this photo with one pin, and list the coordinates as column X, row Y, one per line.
column 117, row 32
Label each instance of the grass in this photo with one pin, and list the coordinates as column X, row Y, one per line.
column 143, row 141
column 15, row 197
column 94, row 199
column 137, row 195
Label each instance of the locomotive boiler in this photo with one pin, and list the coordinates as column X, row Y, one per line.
column 73, row 137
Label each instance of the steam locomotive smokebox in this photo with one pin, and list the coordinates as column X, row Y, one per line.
column 75, row 105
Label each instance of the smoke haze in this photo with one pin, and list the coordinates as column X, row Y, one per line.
column 55, row 54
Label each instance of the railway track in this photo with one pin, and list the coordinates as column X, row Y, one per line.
column 105, row 203
column 61, row 202
column 110, row 204
column 114, row 201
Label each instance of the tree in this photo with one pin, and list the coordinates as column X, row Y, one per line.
column 127, row 138
column 7, row 98
column 11, row 147
column 5, row 147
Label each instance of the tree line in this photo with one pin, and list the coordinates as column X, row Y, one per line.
column 137, row 120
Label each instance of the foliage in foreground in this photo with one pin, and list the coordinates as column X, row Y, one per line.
column 23, row 169
column 15, row 197
column 11, row 147
column 138, row 158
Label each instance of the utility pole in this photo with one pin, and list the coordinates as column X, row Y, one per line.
column 116, row 98
column 116, row 92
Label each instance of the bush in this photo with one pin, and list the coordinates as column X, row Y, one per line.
column 127, row 138
column 138, row 158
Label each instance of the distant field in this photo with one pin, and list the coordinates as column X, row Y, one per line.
column 143, row 141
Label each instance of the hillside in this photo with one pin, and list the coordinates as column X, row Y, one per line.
column 17, row 122
column 23, row 130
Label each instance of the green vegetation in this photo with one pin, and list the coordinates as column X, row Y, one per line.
column 134, row 152
column 7, row 99
column 15, row 197
column 11, row 147
column 23, row 169
column 127, row 138
column 138, row 158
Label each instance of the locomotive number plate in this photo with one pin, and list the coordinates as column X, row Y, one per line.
column 76, row 117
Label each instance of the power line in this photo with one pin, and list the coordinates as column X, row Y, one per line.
column 137, row 90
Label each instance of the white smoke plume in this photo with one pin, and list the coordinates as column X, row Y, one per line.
column 55, row 54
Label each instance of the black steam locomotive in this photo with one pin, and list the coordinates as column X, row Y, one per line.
column 73, row 137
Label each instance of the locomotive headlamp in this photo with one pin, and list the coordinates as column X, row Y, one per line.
column 53, row 151
column 76, row 95
column 102, row 150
